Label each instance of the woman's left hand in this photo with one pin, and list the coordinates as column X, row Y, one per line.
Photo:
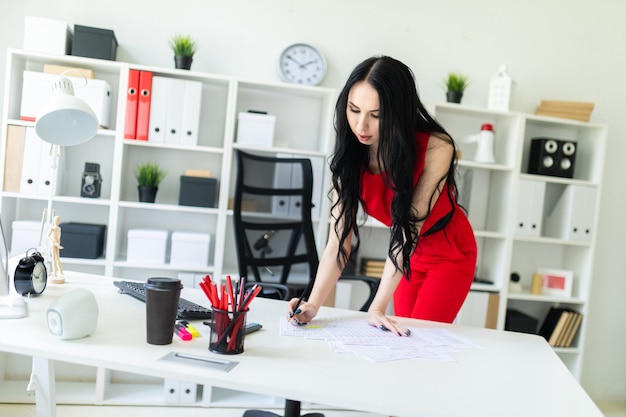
column 379, row 319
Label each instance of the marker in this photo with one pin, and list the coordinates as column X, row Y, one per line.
column 194, row 332
column 182, row 332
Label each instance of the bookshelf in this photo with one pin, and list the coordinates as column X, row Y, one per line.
column 303, row 127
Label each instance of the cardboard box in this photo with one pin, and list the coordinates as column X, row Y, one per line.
column 197, row 191
column 36, row 90
column 256, row 129
column 82, row 240
column 94, row 43
column 47, row 35
column 190, row 248
column 147, row 246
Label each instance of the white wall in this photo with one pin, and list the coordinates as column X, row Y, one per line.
column 555, row 49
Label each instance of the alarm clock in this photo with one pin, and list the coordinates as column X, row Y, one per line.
column 301, row 63
column 31, row 275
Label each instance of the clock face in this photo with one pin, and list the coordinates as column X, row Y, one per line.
column 40, row 277
column 302, row 64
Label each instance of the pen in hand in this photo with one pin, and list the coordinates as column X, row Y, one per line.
column 304, row 295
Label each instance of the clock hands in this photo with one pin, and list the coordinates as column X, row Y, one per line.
column 292, row 59
column 308, row 63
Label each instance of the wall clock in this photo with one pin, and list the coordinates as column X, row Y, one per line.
column 31, row 275
column 301, row 63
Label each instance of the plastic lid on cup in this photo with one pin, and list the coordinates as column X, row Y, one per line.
column 164, row 283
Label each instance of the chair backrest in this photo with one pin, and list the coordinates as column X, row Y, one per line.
column 274, row 233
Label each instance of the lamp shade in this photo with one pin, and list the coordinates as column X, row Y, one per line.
column 65, row 119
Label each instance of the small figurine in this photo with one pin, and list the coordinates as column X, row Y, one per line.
column 54, row 237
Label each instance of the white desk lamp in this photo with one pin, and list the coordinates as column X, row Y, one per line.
column 64, row 120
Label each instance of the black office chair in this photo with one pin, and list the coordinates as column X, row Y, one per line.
column 271, row 290
column 274, row 235
column 277, row 234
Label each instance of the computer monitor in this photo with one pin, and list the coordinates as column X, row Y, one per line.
column 11, row 306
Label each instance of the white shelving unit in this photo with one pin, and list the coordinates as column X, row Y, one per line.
column 304, row 126
column 504, row 250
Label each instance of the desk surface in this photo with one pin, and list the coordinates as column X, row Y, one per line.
column 510, row 374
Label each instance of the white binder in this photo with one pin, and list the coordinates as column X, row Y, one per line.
column 282, row 179
column 171, row 391
column 191, row 113
column 158, row 110
column 529, row 213
column 573, row 215
column 174, row 110
column 317, row 163
column 31, row 162
column 473, row 188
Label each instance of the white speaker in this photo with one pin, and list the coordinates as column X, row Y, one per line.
column 73, row 315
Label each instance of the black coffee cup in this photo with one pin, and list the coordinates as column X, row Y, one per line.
column 162, row 296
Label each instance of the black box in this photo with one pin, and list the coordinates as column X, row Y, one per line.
column 94, row 43
column 197, row 191
column 81, row 240
column 516, row 321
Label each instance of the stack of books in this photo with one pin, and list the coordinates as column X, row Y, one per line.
column 372, row 267
column 560, row 326
column 565, row 109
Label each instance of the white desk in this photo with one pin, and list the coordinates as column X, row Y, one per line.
column 511, row 374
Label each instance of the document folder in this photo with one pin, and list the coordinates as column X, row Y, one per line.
column 132, row 102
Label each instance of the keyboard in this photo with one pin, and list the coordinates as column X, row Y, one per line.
column 187, row 310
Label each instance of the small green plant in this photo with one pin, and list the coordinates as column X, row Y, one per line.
column 456, row 82
column 149, row 174
column 183, row 45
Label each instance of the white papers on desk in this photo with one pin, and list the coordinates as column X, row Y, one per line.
column 356, row 336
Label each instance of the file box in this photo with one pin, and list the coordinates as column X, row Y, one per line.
column 36, row 90
column 197, row 191
column 25, row 235
column 147, row 246
column 82, row 240
column 190, row 248
column 47, row 35
column 94, row 43
column 256, row 129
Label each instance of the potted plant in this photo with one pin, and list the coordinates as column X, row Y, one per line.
column 184, row 49
column 455, row 84
column 149, row 175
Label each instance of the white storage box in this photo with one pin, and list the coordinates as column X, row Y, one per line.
column 256, row 129
column 36, row 90
column 190, row 248
column 47, row 35
column 25, row 235
column 147, row 246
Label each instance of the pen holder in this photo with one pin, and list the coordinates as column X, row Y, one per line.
column 227, row 331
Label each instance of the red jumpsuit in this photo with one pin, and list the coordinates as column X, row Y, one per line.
column 443, row 264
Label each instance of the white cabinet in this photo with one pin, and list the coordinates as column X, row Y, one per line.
column 528, row 221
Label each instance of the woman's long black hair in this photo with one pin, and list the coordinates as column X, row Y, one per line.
column 401, row 115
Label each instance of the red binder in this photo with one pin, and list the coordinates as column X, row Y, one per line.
column 143, row 106
column 130, row 125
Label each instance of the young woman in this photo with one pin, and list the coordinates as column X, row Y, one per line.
column 395, row 160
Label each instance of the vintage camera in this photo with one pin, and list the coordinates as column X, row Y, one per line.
column 90, row 184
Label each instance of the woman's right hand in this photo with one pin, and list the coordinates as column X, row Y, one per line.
column 303, row 314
